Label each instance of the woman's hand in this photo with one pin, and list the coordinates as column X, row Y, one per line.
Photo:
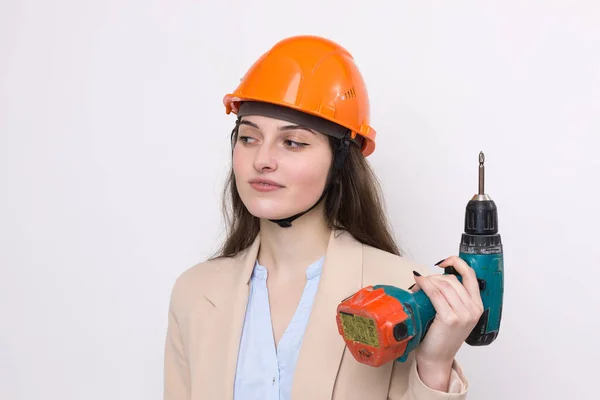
column 458, row 308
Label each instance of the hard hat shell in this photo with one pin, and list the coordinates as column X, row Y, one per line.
column 314, row 75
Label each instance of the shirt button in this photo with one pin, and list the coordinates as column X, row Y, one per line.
column 273, row 380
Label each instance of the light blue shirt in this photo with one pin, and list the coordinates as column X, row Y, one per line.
column 264, row 372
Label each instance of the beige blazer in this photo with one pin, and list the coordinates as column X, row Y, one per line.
column 206, row 315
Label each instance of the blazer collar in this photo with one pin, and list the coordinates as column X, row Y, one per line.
column 322, row 345
column 234, row 299
column 236, row 273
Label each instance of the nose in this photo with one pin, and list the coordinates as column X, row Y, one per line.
column 265, row 159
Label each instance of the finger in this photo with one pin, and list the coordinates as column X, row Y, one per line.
column 414, row 287
column 473, row 307
column 469, row 279
column 436, row 297
column 453, row 299
column 453, row 281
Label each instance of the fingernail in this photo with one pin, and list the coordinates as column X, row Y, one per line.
column 412, row 286
column 416, row 273
column 439, row 262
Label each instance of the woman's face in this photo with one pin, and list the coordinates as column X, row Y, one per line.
column 280, row 168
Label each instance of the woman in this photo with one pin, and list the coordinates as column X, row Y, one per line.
column 306, row 230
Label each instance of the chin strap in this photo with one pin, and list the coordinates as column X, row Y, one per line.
column 338, row 162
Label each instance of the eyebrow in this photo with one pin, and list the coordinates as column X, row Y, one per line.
column 281, row 128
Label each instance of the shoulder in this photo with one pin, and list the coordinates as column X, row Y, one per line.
column 201, row 279
column 382, row 267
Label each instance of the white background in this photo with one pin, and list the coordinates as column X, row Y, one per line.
column 114, row 147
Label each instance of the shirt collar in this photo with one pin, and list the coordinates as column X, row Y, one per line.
column 312, row 271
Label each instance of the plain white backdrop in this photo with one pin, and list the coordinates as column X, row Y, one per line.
column 114, row 146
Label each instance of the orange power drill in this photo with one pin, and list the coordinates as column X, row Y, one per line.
column 383, row 323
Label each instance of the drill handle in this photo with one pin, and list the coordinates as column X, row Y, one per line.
column 425, row 310
column 489, row 269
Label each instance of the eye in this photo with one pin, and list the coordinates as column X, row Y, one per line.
column 246, row 139
column 295, row 145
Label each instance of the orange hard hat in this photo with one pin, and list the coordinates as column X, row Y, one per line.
column 313, row 75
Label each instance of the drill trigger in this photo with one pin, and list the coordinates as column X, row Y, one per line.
column 452, row 271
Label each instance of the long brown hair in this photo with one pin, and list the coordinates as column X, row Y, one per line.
column 354, row 203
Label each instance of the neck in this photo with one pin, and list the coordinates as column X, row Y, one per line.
column 287, row 252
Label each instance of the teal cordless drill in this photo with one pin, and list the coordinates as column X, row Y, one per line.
column 382, row 323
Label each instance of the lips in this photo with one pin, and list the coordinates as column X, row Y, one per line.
column 265, row 185
column 264, row 182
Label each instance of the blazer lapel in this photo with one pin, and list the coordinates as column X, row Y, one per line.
column 323, row 347
column 230, row 301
